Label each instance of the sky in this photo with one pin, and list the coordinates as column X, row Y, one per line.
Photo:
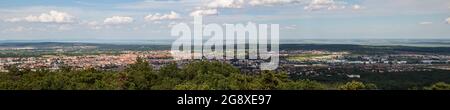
column 153, row 19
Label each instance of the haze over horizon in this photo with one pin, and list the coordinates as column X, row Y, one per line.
column 152, row 19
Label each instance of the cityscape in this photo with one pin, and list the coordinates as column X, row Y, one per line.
column 316, row 62
column 284, row 45
column 224, row 54
column 293, row 61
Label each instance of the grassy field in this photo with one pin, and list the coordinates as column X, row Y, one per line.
column 304, row 57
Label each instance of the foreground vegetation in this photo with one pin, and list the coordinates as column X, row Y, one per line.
column 200, row 75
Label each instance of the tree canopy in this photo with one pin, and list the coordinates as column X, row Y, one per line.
column 197, row 75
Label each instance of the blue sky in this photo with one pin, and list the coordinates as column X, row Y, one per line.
column 152, row 19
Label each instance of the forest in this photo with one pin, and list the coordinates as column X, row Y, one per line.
column 197, row 75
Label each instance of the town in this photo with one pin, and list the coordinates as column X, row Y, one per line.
column 298, row 62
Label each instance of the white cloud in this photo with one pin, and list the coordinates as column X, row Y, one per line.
column 108, row 23
column 448, row 20
column 356, row 7
column 241, row 3
column 425, row 23
column 225, row 4
column 204, row 12
column 310, row 5
column 324, row 4
column 157, row 16
column 211, row 8
column 118, row 20
column 50, row 17
column 92, row 24
column 273, row 2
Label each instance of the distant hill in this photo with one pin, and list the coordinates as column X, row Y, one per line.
column 366, row 49
column 360, row 49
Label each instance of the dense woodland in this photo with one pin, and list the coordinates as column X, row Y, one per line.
column 199, row 75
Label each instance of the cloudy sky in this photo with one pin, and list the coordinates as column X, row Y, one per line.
column 152, row 19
